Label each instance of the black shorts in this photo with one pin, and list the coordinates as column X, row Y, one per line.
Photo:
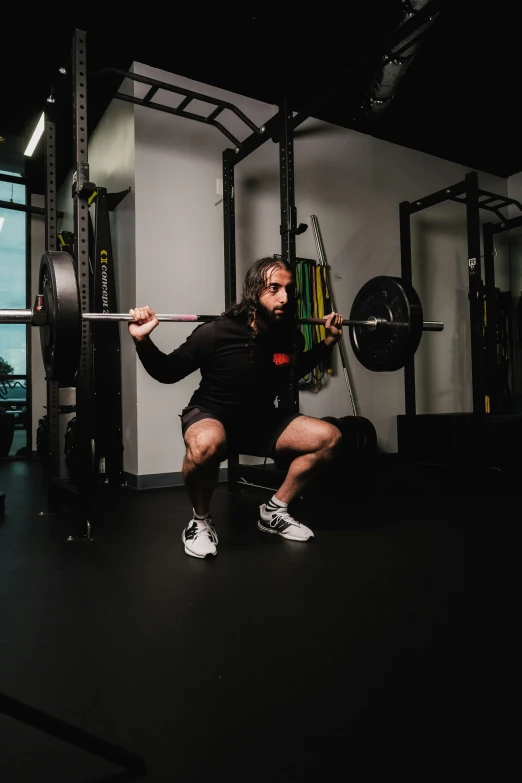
column 255, row 435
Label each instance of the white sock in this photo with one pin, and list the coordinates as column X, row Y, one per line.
column 275, row 505
column 201, row 516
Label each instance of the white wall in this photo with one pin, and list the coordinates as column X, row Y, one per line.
column 515, row 190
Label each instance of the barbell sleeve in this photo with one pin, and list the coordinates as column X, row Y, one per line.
column 16, row 316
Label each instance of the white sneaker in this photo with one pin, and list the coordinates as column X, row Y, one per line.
column 282, row 523
column 200, row 538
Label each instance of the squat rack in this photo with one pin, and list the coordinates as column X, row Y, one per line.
column 82, row 190
column 489, row 231
column 466, row 192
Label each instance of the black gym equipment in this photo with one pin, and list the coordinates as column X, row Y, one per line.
column 499, row 325
column 105, row 341
column 391, row 300
column 57, row 310
column 471, row 436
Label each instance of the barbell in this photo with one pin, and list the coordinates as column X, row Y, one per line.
column 386, row 320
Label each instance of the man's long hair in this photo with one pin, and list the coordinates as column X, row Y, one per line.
column 257, row 280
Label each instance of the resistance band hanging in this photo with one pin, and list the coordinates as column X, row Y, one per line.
column 313, row 301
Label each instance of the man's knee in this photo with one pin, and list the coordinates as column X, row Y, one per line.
column 206, row 446
column 331, row 441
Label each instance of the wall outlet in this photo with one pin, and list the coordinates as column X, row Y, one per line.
column 219, row 187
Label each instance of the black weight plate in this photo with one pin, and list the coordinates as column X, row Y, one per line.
column 367, row 447
column 61, row 336
column 386, row 348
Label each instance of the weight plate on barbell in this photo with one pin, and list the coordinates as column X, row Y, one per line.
column 61, row 336
column 386, row 347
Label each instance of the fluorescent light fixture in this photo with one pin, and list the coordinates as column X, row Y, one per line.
column 1, row 223
column 35, row 138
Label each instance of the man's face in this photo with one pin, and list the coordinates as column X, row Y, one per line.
column 278, row 291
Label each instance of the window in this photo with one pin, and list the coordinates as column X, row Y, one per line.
column 13, row 338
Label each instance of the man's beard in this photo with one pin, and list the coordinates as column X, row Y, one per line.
column 271, row 327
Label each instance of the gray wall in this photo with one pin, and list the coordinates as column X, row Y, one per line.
column 515, row 190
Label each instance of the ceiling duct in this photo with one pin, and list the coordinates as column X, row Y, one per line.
column 395, row 64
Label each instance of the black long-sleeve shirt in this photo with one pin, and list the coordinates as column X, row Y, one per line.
column 237, row 374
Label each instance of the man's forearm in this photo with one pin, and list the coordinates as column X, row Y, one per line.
column 330, row 342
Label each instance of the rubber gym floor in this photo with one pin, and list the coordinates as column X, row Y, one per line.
column 387, row 646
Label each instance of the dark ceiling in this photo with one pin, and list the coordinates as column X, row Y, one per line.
column 459, row 100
